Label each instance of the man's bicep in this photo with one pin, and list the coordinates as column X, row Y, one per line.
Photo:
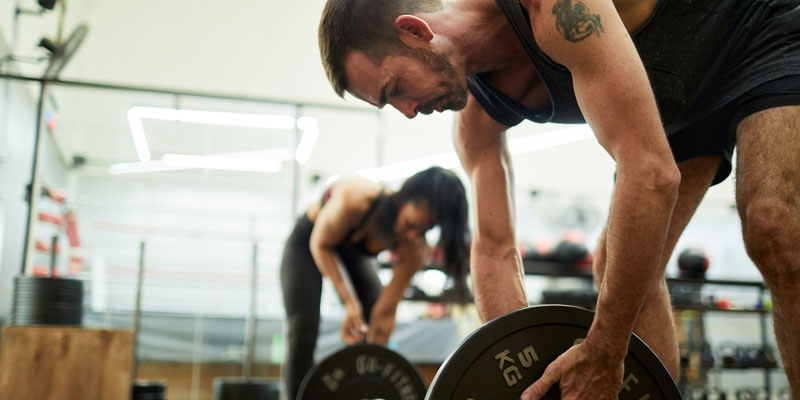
column 624, row 117
column 610, row 82
column 576, row 32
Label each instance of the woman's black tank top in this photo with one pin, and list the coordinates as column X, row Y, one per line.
column 360, row 246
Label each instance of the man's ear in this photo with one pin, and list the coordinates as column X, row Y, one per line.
column 411, row 28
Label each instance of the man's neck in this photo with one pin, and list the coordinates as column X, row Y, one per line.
column 475, row 35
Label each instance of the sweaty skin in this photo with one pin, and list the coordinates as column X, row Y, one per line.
column 590, row 38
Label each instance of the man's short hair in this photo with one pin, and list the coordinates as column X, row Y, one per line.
column 363, row 25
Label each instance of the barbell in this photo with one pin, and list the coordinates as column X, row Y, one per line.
column 498, row 361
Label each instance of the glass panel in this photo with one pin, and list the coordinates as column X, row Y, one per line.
column 357, row 132
column 200, row 181
column 17, row 125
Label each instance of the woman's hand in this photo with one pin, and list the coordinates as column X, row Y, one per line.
column 353, row 327
column 381, row 324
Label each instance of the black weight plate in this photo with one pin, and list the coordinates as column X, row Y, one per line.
column 149, row 390
column 363, row 371
column 505, row 356
column 70, row 297
column 42, row 281
column 47, row 301
column 246, row 389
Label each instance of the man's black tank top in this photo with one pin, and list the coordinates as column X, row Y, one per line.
column 699, row 56
column 360, row 246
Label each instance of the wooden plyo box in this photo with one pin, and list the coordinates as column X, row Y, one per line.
column 61, row 363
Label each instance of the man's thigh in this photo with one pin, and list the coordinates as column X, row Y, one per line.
column 768, row 157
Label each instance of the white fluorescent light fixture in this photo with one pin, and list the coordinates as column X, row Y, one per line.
column 448, row 160
column 332, row 179
column 137, row 132
column 136, row 114
column 141, row 166
column 310, row 129
column 549, row 139
column 267, row 121
column 284, row 154
column 407, row 168
column 219, row 162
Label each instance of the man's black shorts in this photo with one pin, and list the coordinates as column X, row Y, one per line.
column 716, row 134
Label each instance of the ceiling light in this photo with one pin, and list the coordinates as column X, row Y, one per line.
column 136, row 114
column 549, row 139
column 407, row 168
column 332, row 179
column 141, row 166
column 137, row 133
column 220, row 162
column 522, row 145
column 284, row 154
column 267, row 121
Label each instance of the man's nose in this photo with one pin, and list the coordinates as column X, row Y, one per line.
column 406, row 107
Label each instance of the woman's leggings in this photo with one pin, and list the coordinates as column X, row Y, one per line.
column 301, row 283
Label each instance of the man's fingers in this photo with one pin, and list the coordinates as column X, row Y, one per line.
column 542, row 385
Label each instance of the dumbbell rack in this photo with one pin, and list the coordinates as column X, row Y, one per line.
column 697, row 341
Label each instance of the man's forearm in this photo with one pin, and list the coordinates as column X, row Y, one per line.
column 495, row 265
column 497, row 282
column 638, row 224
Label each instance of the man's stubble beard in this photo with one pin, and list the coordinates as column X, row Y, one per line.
column 455, row 95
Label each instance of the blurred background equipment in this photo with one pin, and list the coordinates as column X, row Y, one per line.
column 246, row 389
column 62, row 52
column 149, row 390
column 692, row 263
column 47, row 301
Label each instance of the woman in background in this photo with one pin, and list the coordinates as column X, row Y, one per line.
column 339, row 238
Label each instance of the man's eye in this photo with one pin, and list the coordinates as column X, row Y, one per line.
column 397, row 91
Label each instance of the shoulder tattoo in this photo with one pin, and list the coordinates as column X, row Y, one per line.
column 575, row 23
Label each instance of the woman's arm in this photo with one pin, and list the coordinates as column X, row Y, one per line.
column 330, row 229
column 411, row 256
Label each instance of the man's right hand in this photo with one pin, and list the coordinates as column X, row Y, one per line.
column 353, row 327
column 582, row 373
